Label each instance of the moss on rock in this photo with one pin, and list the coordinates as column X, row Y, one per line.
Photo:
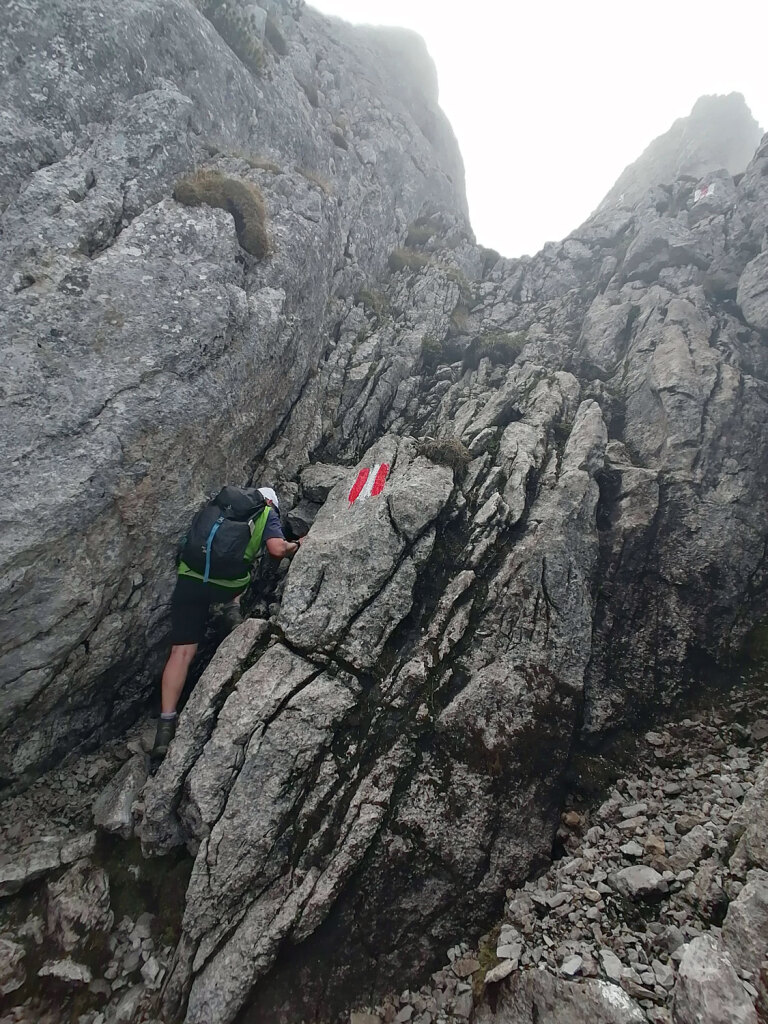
column 240, row 198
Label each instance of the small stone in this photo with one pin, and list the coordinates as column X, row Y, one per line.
column 500, row 971
column 509, row 951
column 686, row 822
column 572, row 819
column 143, row 927
column 571, row 966
column 655, row 739
column 641, row 882
column 153, row 973
column 404, row 1015
column 132, row 961
column 465, row 966
column 655, row 846
column 630, row 824
column 632, row 850
column 663, row 973
column 759, row 730
column 634, row 810
column 611, row 964
column 66, row 970
column 364, row 1018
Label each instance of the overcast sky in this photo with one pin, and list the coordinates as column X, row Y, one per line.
column 550, row 100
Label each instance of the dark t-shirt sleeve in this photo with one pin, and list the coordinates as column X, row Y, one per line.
column 272, row 528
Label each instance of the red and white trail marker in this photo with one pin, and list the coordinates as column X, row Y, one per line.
column 702, row 193
column 369, row 482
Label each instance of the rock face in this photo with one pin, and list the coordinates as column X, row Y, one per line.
column 134, row 327
column 573, row 511
column 719, row 132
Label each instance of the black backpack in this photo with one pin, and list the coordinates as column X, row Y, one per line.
column 221, row 531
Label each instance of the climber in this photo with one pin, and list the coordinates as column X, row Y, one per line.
column 226, row 534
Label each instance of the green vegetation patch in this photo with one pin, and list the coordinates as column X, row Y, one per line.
column 374, row 301
column 446, row 451
column 240, row 198
column 407, row 259
column 235, row 28
column 500, row 347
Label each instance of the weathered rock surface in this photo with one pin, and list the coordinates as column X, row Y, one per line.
column 12, row 971
column 745, row 929
column 708, row 990
column 113, row 810
column 364, row 770
column 537, row 996
column 720, row 132
column 78, row 906
column 130, row 320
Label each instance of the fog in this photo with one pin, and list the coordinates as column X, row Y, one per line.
column 551, row 101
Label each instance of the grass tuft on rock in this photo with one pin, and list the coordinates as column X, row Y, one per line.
column 446, row 451
column 316, row 179
column 407, row 259
column 235, row 28
column 240, row 198
column 374, row 301
column 500, row 347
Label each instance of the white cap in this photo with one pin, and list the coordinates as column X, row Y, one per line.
column 270, row 495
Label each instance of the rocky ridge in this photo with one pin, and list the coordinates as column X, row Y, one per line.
column 573, row 522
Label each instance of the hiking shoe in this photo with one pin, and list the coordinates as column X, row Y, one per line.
column 166, row 730
column 231, row 617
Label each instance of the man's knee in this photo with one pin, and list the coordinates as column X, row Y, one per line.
column 183, row 653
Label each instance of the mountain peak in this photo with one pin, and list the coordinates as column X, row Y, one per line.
column 720, row 132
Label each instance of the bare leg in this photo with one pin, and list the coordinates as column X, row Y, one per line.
column 175, row 675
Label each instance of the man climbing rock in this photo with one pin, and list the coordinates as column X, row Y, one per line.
column 214, row 568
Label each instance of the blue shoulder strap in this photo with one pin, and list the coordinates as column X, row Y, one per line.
column 208, row 544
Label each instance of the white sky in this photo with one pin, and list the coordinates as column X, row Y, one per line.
column 550, row 100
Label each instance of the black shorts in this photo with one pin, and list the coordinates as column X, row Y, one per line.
column 190, row 606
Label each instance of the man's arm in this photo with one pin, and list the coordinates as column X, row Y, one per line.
column 280, row 548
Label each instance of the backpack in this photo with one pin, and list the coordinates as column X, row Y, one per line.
column 221, row 531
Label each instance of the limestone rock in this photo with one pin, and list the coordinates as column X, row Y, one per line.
column 78, row 906
column 12, row 970
column 708, row 990
column 113, row 810
column 641, row 882
column 17, row 870
column 752, row 293
column 67, row 971
column 535, row 995
column 745, row 928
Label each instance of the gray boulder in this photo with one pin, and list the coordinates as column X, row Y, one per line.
column 78, row 906
column 12, row 971
column 745, row 928
column 537, row 996
column 640, row 882
column 708, row 990
column 113, row 808
column 752, row 294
